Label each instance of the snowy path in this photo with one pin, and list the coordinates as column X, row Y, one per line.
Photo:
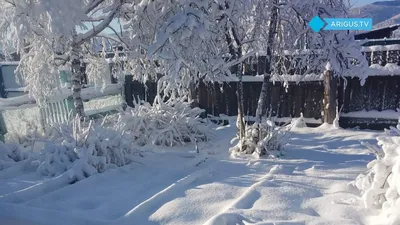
column 307, row 186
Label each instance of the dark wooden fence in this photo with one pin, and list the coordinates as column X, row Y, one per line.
column 221, row 99
column 379, row 93
column 305, row 97
column 136, row 91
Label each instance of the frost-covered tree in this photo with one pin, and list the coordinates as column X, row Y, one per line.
column 291, row 47
column 49, row 33
column 209, row 40
column 195, row 40
column 178, row 35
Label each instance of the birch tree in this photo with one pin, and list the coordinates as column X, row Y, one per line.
column 192, row 41
column 209, row 40
column 50, row 33
column 292, row 48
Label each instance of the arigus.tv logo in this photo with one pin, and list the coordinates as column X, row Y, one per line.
column 317, row 24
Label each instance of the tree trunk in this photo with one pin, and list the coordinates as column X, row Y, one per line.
column 237, row 54
column 240, row 117
column 262, row 100
column 330, row 94
column 261, row 106
column 77, row 83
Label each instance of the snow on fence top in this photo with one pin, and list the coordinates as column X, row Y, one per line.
column 60, row 94
column 385, row 114
column 274, row 119
column 9, row 63
column 278, row 78
column 390, row 69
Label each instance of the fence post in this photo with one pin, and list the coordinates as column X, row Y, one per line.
column 330, row 95
column 193, row 94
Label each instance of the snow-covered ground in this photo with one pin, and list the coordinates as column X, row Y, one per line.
column 308, row 185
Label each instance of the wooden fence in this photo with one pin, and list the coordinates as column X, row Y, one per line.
column 221, row 99
column 379, row 93
column 305, row 97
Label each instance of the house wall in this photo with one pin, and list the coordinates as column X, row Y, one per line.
column 12, row 84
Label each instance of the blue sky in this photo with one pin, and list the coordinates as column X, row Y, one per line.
column 362, row 2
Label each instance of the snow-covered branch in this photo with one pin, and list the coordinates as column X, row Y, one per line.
column 101, row 26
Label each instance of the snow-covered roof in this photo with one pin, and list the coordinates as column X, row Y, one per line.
column 383, row 32
column 60, row 94
column 9, row 63
column 375, row 48
column 380, row 28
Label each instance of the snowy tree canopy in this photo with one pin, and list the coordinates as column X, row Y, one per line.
column 49, row 33
column 203, row 39
column 192, row 39
column 310, row 51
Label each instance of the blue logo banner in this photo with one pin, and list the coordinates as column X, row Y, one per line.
column 317, row 24
column 348, row 23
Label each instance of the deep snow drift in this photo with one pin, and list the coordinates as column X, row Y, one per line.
column 308, row 185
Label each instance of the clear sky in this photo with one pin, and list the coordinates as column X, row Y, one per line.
column 362, row 2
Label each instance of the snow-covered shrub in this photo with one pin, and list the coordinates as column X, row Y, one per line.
column 83, row 149
column 380, row 186
column 271, row 143
column 10, row 154
column 299, row 122
column 168, row 123
column 80, row 149
column 28, row 138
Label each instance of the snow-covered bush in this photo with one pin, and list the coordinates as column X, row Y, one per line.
column 10, row 154
column 168, row 123
column 27, row 138
column 85, row 149
column 380, row 186
column 81, row 149
column 299, row 122
column 270, row 145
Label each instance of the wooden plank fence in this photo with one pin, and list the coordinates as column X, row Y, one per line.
column 221, row 99
column 379, row 93
column 305, row 97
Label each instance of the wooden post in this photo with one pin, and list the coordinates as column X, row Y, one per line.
column 193, row 95
column 330, row 95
